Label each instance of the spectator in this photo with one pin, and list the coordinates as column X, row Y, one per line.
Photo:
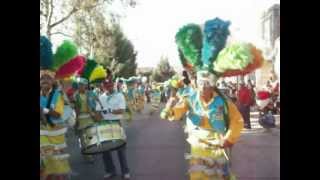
column 244, row 103
column 233, row 91
column 147, row 92
column 253, row 94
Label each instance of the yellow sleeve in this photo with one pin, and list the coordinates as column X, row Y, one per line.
column 59, row 105
column 176, row 112
column 236, row 123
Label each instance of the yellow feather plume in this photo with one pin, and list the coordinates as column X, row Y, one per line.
column 98, row 73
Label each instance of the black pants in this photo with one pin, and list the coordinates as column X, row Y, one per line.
column 108, row 162
column 245, row 112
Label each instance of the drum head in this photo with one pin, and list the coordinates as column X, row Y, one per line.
column 104, row 146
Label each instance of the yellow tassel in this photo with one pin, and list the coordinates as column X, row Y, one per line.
column 98, row 73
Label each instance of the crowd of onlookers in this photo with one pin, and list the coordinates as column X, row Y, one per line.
column 244, row 95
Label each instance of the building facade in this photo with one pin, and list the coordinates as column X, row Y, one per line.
column 270, row 22
column 270, row 34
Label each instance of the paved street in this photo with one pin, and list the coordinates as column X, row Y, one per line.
column 156, row 152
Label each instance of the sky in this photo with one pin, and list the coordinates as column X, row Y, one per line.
column 152, row 24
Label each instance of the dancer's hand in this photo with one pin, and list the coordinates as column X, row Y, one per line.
column 172, row 102
column 227, row 144
column 97, row 117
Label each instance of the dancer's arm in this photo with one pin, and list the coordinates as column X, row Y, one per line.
column 236, row 124
column 174, row 110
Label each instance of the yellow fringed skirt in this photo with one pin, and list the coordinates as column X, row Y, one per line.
column 209, row 163
column 53, row 158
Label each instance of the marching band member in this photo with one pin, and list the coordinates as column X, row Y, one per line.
column 85, row 107
column 114, row 105
column 131, row 96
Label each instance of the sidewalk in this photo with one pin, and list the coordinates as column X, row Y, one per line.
column 257, row 154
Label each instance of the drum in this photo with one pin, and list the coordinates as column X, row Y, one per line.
column 101, row 137
column 84, row 121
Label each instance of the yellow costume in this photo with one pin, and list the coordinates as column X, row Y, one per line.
column 214, row 125
column 140, row 97
column 53, row 126
column 207, row 162
column 52, row 141
column 155, row 98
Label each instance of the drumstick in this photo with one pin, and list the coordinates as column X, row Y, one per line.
column 225, row 154
column 98, row 100
column 208, row 143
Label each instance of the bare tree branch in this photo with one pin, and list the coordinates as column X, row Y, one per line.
column 61, row 33
column 47, row 8
column 51, row 11
column 64, row 18
column 74, row 10
column 43, row 14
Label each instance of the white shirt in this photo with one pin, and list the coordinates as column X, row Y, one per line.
column 114, row 101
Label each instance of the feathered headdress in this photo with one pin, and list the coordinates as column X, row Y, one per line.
column 131, row 80
column 64, row 53
column 64, row 63
column 93, row 72
column 71, row 68
column 174, row 82
column 204, row 50
column 46, row 55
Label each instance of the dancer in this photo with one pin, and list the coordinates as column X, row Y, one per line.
column 213, row 122
column 155, row 97
column 53, row 127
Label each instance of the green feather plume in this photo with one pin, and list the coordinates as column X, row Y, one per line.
column 65, row 52
column 90, row 66
column 235, row 56
column 189, row 41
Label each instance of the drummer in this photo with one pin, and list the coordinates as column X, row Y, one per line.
column 85, row 109
column 114, row 105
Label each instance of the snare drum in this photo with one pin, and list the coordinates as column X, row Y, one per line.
column 101, row 137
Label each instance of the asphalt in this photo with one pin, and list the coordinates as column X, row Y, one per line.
column 155, row 151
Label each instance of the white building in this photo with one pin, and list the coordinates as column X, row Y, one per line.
column 270, row 36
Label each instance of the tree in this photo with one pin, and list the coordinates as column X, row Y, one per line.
column 98, row 36
column 108, row 45
column 93, row 35
column 124, row 58
column 163, row 71
column 57, row 14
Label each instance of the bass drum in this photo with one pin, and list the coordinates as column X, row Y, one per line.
column 101, row 137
